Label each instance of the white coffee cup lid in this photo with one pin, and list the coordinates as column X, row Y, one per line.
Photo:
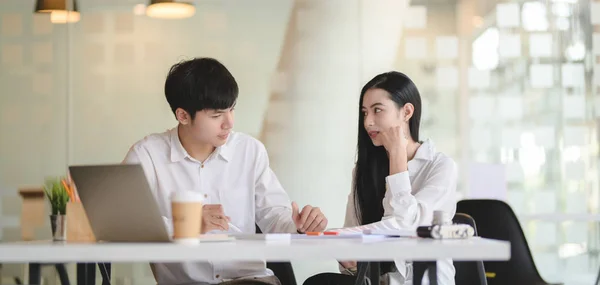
column 187, row 241
column 187, row 196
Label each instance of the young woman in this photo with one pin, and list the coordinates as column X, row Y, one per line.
column 399, row 180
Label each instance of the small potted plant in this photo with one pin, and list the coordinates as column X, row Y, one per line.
column 57, row 192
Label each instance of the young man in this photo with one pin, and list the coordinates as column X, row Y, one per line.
column 230, row 169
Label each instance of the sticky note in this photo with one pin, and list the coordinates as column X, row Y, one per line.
column 545, row 136
column 447, row 77
column 574, row 107
column 479, row 79
column 541, row 75
column 415, row 47
column 446, row 47
column 540, row 45
column 509, row 45
column 416, row 17
column 575, row 136
column 595, row 12
column 508, row 15
column 510, row 108
column 596, row 43
column 573, row 75
column 511, row 138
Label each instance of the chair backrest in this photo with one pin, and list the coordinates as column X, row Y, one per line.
column 283, row 270
column 496, row 220
column 468, row 272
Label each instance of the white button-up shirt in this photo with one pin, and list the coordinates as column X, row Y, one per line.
column 237, row 175
column 411, row 197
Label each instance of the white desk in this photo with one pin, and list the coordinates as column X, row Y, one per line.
column 304, row 249
column 297, row 249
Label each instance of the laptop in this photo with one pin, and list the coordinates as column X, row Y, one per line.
column 119, row 203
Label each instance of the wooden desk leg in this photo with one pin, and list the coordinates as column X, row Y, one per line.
column 35, row 273
column 86, row 273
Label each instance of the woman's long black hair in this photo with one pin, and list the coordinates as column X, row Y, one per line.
column 373, row 165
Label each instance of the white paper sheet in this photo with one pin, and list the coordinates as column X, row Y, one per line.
column 508, row 15
column 487, row 181
column 447, row 77
column 509, row 45
column 446, row 47
column 416, row 17
column 573, row 75
column 574, row 107
column 541, row 76
column 415, row 47
column 540, row 45
column 479, row 79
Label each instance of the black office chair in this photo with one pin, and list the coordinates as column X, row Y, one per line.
column 467, row 272
column 283, row 270
column 496, row 220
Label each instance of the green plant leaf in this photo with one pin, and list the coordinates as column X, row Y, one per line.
column 57, row 195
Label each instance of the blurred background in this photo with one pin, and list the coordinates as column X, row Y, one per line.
column 510, row 91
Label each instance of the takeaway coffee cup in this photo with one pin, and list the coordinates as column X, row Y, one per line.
column 186, row 212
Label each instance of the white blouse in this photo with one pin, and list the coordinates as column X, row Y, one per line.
column 411, row 198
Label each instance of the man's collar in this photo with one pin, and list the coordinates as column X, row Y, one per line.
column 179, row 153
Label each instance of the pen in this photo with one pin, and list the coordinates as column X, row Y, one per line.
column 233, row 227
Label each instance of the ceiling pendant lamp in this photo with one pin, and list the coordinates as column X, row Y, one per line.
column 169, row 9
column 61, row 11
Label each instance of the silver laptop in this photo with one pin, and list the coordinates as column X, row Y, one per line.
column 119, row 203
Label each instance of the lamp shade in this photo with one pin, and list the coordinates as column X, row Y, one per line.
column 48, row 6
column 169, row 9
column 61, row 11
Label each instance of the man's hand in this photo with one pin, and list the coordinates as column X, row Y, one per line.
column 309, row 219
column 348, row 264
column 213, row 218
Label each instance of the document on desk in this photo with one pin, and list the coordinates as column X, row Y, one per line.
column 288, row 237
column 387, row 228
